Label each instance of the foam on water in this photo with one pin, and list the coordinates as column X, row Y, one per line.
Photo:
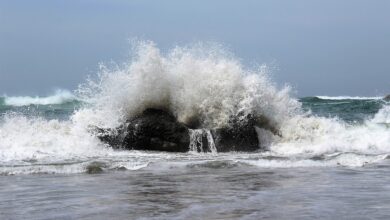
column 318, row 136
column 201, row 83
column 383, row 116
column 59, row 97
column 38, row 145
column 347, row 159
column 24, row 139
column 350, row 97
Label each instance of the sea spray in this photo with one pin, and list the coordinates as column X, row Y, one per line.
column 198, row 84
column 308, row 136
column 24, row 139
column 383, row 116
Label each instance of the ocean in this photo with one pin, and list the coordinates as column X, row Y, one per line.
column 330, row 160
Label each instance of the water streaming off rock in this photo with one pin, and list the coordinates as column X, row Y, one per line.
column 202, row 141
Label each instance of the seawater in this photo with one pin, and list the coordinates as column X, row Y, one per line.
column 329, row 161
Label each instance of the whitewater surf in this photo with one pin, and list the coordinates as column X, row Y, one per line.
column 317, row 157
column 203, row 82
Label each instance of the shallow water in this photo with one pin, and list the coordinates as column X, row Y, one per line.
column 214, row 190
column 47, row 178
column 329, row 161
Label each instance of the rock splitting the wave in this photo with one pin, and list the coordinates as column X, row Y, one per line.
column 154, row 129
column 387, row 98
column 238, row 136
column 159, row 130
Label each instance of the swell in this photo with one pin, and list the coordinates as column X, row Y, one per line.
column 59, row 97
column 349, row 110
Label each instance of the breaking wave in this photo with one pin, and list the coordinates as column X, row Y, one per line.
column 196, row 83
column 202, row 83
column 59, row 97
column 383, row 116
column 350, row 97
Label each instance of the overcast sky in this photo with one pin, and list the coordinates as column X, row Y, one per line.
column 330, row 47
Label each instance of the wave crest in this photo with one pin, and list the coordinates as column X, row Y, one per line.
column 59, row 97
column 199, row 82
column 196, row 82
column 349, row 97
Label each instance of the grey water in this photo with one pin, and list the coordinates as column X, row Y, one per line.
column 187, row 186
column 208, row 192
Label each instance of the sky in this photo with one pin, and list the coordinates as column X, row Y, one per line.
column 318, row 47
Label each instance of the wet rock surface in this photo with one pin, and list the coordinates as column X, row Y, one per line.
column 154, row 130
column 158, row 130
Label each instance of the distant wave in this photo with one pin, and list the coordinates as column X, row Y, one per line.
column 59, row 97
column 349, row 97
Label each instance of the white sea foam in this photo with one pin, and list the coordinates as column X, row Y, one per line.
column 347, row 159
column 383, row 116
column 349, row 97
column 199, row 82
column 302, row 135
column 59, row 97
column 24, row 139
column 50, row 146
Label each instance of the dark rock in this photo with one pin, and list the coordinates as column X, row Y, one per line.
column 159, row 130
column 387, row 98
column 113, row 137
column 238, row 136
column 154, row 130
